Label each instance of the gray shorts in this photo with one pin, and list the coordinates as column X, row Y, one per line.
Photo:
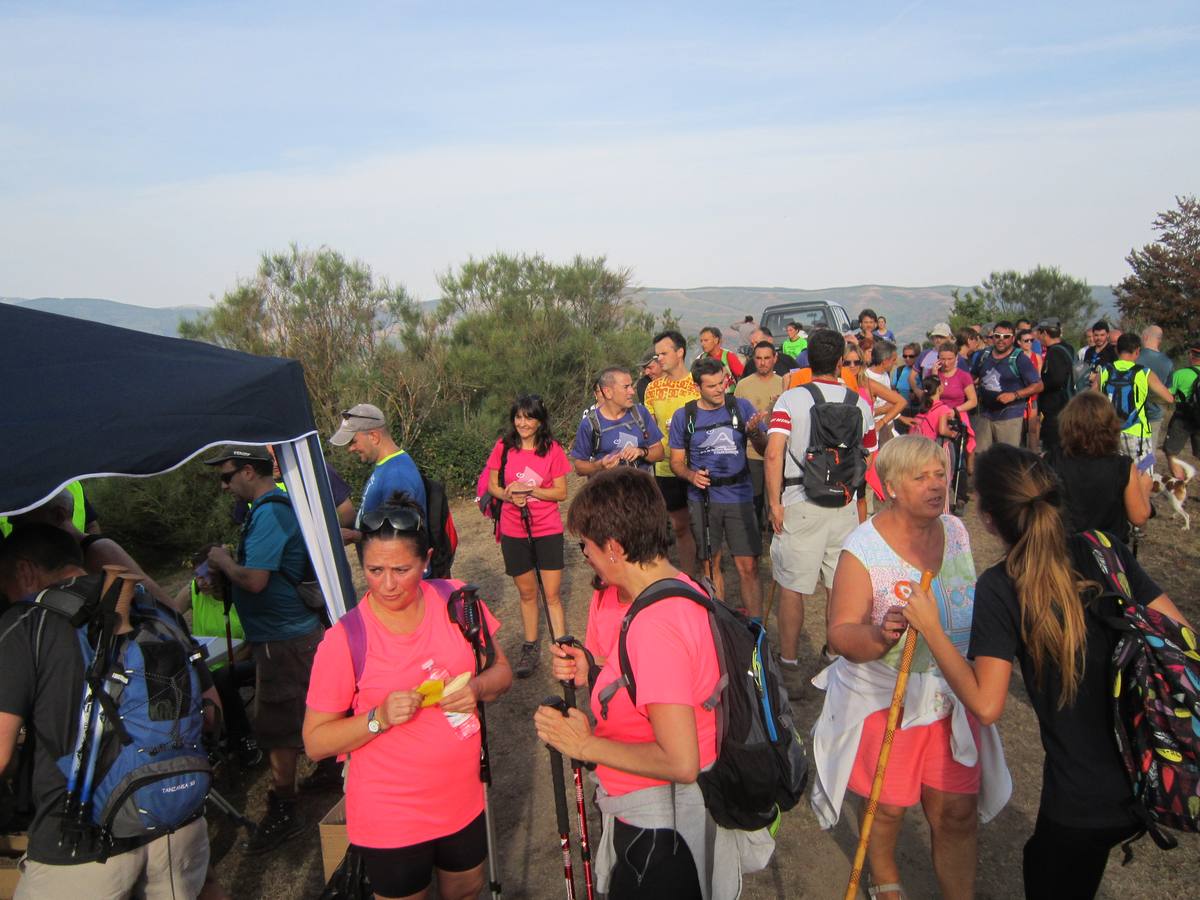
column 728, row 523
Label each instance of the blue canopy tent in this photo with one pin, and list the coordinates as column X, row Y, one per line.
column 86, row 400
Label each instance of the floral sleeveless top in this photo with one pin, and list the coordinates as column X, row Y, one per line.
column 892, row 580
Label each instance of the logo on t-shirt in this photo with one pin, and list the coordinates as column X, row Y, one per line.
column 991, row 381
column 624, row 439
column 720, row 443
column 528, row 476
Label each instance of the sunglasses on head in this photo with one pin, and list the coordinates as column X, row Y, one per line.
column 399, row 520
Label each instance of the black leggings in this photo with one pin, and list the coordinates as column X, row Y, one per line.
column 654, row 864
column 1066, row 863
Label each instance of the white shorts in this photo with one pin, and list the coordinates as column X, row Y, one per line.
column 810, row 544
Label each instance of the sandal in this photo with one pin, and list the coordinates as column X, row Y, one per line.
column 875, row 890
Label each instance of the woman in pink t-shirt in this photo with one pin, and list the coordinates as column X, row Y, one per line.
column 958, row 389
column 413, row 793
column 533, row 483
column 647, row 755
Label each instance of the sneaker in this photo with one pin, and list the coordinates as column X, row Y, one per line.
column 528, row 660
column 279, row 824
column 327, row 776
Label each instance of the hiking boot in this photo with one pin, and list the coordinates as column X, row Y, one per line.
column 528, row 661
column 279, row 824
column 793, row 680
column 327, row 776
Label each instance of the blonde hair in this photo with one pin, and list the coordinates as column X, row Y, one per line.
column 905, row 455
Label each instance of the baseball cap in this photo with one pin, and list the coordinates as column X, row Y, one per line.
column 1052, row 322
column 356, row 419
column 239, row 454
column 647, row 359
column 941, row 329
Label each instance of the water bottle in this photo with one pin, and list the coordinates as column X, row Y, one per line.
column 463, row 724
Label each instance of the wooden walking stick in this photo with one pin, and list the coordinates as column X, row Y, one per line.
column 885, row 751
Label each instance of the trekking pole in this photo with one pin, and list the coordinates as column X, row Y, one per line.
column 537, row 569
column 585, row 844
column 473, row 629
column 885, row 751
column 560, row 804
column 705, row 534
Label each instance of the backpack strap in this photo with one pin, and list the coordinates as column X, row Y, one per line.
column 593, row 418
column 818, row 399
column 659, row 590
column 689, row 428
column 641, row 421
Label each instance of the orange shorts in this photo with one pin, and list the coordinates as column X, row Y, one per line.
column 920, row 757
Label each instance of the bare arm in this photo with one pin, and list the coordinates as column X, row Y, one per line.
column 1160, row 390
column 673, row 755
column 773, row 477
column 557, row 492
column 10, row 727
column 972, row 399
column 848, row 616
column 107, row 552
column 1137, row 496
column 894, row 399
column 253, row 581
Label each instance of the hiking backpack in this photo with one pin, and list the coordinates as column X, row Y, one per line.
column 1079, row 369
column 593, row 418
column 735, row 421
column 488, row 505
column 439, row 523
column 1190, row 405
column 151, row 771
column 1120, row 388
column 761, row 768
column 834, row 468
column 1155, row 674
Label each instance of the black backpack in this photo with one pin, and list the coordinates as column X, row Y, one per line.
column 1079, row 371
column 761, row 768
column 834, row 468
column 735, row 420
column 593, row 418
column 443, row 536
column 1190, row 405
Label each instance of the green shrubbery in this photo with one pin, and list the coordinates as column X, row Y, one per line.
column 445, row 379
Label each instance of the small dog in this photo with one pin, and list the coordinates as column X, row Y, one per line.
column 1175, row 489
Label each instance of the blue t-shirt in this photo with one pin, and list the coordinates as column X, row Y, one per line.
column 392, row 473
column 718, row 447
column 271, row 540
column 616, row 435
column 996, row 377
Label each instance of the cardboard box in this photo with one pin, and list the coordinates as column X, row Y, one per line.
column 333, row 838
column 12, row 848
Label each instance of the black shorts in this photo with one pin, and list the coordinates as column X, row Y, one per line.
column 674, row 491
column 400, row 871
column 518, row 559
column 1180, row 432
column 281, row 688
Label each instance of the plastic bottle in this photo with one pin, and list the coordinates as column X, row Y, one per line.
column 462, row 724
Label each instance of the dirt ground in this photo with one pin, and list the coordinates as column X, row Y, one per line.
column 808, row 862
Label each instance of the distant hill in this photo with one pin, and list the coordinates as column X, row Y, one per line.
column 910, row 311
column 163, row 320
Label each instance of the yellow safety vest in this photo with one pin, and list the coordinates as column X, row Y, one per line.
column 78, row 513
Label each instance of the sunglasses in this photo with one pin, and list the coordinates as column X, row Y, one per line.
column 909, row 355
column 851, row 363
column 227, row 477
column 999, row 337
column 399, row 520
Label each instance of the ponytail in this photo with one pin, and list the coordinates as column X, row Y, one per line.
column 1022, row 496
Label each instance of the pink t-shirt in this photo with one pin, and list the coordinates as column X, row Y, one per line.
column 954, row 387
column 416, row 781
column 605, row 613
column 527, row 467
column 674, row 660
column 927, row 423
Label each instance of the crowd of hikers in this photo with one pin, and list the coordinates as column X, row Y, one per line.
column 848, row 458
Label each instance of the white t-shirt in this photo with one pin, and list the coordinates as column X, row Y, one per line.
column 792, row 416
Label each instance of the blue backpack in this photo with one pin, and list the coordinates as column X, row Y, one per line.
column 138, row 768
column 1119, row 387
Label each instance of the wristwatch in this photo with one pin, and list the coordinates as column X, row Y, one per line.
column 373, row 724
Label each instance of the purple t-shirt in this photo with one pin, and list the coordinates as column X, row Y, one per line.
column 718, row 447
column 1003, row 376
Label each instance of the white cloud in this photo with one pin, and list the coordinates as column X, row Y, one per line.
column 902, row 200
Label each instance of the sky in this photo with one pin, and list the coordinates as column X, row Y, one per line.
column 152, row 152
